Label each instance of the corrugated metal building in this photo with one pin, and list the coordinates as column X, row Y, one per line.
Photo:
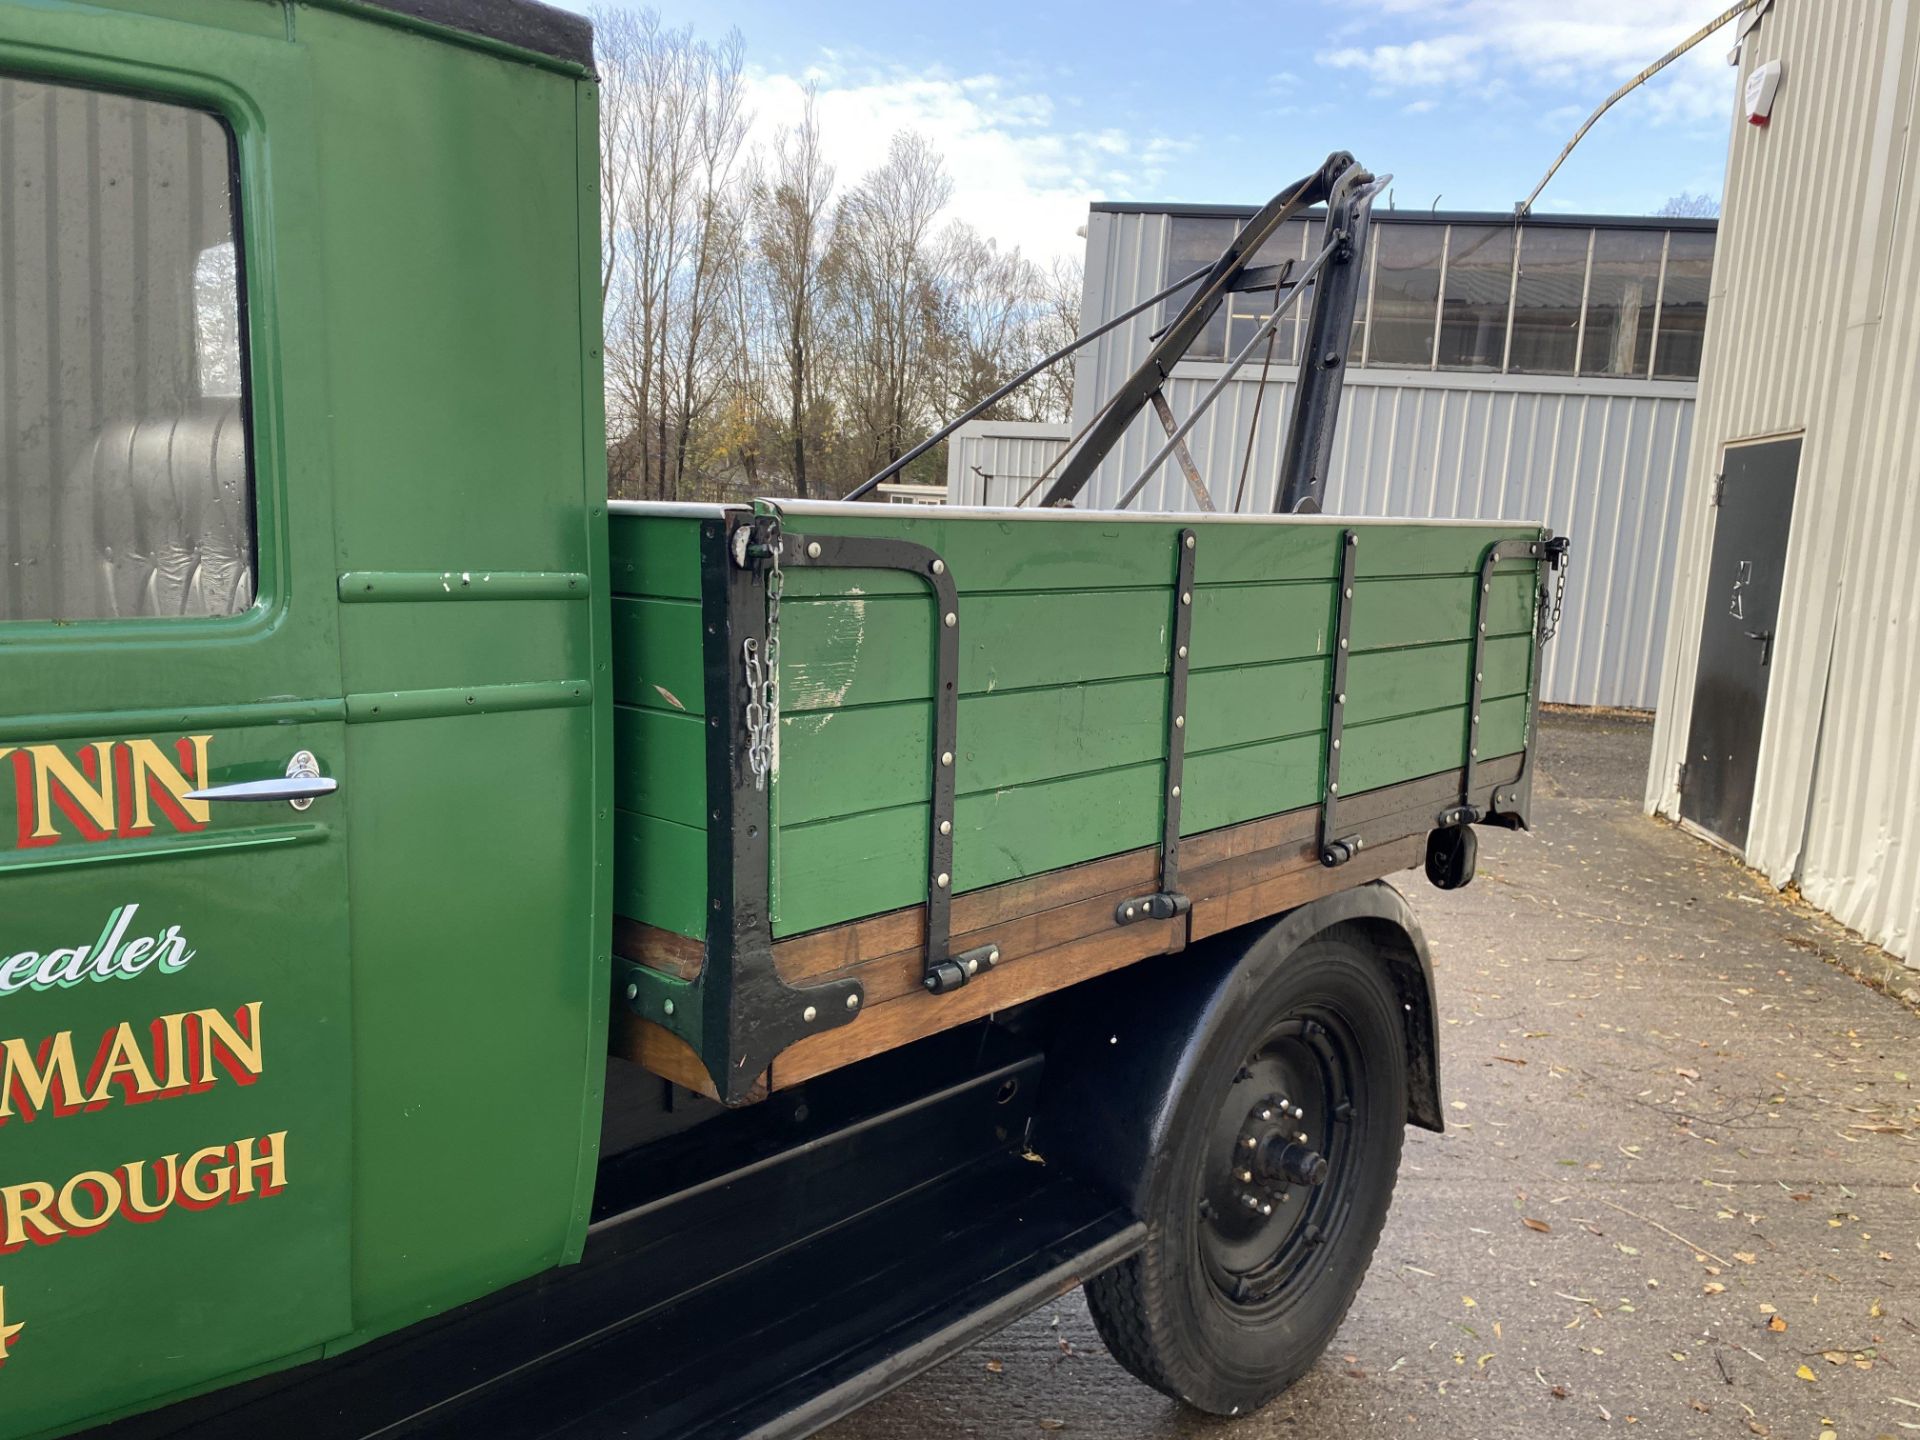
column 1544, row 370
column 1814, row 340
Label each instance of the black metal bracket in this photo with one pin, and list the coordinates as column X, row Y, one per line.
column 943, row 972
column 1180, row 662
column 737, row 1014
column 1160, row 905
column 1483, row 590
column 1335, row 848
column 1307, row 455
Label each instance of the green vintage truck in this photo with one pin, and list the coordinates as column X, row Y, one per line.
column 475, row 963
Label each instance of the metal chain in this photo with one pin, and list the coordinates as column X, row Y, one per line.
column 763, row 674
column 1552, row 627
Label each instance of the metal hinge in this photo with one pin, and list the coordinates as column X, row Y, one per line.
column 1680, row 776
column 1719, row 491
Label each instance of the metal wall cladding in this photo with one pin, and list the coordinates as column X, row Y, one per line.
column 1814, row 328
column 1600, row 460
column 996, row 462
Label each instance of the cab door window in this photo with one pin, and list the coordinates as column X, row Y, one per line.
column 125, row 484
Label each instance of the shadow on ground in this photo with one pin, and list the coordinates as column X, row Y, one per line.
column 1711, row 1129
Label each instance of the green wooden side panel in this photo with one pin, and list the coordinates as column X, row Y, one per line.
column 656, row 555
column 1065, row 639
column 656, row 654
column 659, row 740
column 660, row 873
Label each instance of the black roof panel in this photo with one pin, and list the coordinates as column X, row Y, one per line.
column 526, row 24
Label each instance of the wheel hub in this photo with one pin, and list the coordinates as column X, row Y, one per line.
column 1267, row 1203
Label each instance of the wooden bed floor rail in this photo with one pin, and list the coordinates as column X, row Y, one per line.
column 1053, row 930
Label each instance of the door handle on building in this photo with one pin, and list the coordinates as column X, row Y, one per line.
column 300, row 787
column 1765, row 637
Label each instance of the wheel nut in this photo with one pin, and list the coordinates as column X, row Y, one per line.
column 1246, row 1177
column 1266, row 1209
column 1266, row 1114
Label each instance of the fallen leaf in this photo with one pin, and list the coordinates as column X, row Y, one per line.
column 1834, row 1357
column 994, row 1367
column 1746, row 1257
column 1560, row 1392
column 1777, row 1324
column 1053, row 1424
column 1713, row 1287
column 1805, row 1372
column 1469, row 1301
column 1540, row 1225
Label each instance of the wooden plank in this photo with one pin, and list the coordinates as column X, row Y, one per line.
column 988, row 553
column 983, row 915
column 1053, row 930
column 843, row 869
column 863, row 650
column 1386, row 684
column 660, row 765
column 655, row 555
column 912, row 1016
column 680, row 956
column 660, row 872
column 1387, row 751
column 810, row 956
column 841, row 762
column 1227, row 787
column 656, row 1048
column 657, row 659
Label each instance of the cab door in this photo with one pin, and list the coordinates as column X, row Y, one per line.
column 174, row 994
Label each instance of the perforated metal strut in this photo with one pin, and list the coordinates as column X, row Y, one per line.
column 1335, row 848
column 1168, row 902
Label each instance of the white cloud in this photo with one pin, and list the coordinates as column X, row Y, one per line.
column 1439, row 45
column 1017, row 177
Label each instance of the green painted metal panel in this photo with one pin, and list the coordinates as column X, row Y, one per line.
column 420, row 409
column 460, row 381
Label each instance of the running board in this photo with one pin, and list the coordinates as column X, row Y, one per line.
column 765, row 1297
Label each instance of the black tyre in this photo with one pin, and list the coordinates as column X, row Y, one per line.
column 1259, row 1239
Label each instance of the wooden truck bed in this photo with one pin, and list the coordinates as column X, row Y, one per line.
column 1147, row 712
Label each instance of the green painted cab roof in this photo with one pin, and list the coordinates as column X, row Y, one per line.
column 536, row 31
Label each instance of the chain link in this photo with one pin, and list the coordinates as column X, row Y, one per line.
column 1552, row 627
column 763, row 671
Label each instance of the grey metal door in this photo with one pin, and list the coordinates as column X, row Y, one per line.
column 1755, row 508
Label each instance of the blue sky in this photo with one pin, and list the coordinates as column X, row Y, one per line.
column 1040, row 108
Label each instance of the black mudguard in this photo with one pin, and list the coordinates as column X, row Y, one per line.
column 1128, row 1044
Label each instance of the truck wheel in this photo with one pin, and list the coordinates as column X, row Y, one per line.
column 1264, row 1212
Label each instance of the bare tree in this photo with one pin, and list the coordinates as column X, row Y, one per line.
column 1689, row 206
column 792, row 214
column 887, row 293
column 763, row 329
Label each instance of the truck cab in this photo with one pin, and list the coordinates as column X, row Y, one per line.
column 302, row 473
column 412, row 1023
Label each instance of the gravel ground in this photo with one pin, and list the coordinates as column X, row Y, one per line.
column 1677, row 1195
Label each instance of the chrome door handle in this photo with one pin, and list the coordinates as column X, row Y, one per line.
column 302, row 785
